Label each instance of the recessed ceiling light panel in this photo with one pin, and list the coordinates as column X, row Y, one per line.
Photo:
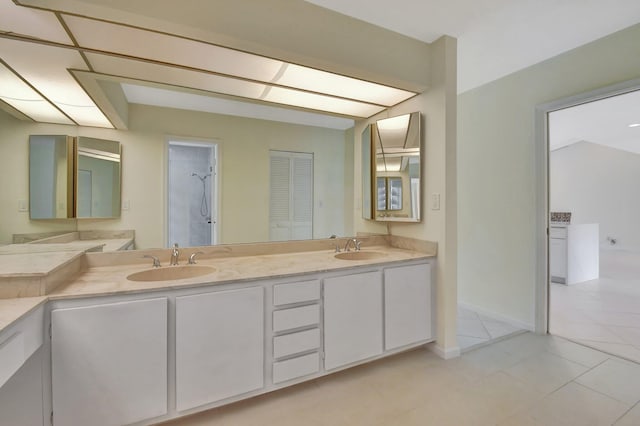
column 15, row 92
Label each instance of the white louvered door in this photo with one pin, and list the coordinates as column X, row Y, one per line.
column 291, row 197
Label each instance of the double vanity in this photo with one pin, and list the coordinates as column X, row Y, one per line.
column 123, row 342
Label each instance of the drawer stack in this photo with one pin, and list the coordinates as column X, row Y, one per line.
column 296, row 332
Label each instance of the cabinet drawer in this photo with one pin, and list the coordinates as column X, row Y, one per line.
column 287, row 319
column 290, row 344
column 557, row 232
column 306, row 291
column 296, row 367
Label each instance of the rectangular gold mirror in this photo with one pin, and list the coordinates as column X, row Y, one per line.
column 51, row 177
column 97, row 178
column 74, row 177
column 397, row 144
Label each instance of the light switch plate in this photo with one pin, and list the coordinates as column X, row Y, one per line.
column 126, row 205
column 22, row 206
column 435, row 201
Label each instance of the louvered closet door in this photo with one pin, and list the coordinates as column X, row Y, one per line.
column 291, row 197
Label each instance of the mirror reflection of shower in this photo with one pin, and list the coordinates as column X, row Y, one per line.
column 191, row 194
column 204, row 204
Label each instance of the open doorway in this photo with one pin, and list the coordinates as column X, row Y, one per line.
column 594, row 231
column 191, row 193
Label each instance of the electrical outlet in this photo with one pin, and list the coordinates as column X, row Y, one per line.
column 22, row 206
column 125, row 205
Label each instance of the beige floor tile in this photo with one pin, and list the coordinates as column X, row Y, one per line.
column 487, row 386
column 482, row 362
column 467, row 343
column 576, row 352
column 524, row 345
column 576, row 405
column 622, row 350
column 546, row 372
column 630, row 418
column 498, row 329
column 472, row 328
column 486, row 402
column 630, row 335
column 586, row 331
column 615, row 378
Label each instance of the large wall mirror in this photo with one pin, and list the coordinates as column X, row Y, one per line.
column 73, row 177
column 396, row 145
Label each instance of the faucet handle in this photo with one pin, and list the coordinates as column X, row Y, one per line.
column 192, row 258
column 358, row 243
column 156, row 261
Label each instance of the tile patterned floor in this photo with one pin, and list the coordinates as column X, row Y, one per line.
column 603, row 313
column 525, row 379
column 476, row 330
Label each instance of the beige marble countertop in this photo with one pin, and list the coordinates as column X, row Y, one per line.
column 109, row 280
column 34, row 264
column 80, row 246
column 12, row 310
column 107, row 273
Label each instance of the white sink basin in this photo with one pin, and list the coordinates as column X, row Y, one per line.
column 169, row 273
column 359, row 255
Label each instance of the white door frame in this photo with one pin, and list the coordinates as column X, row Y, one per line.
column 214, row 196
column 541, row 135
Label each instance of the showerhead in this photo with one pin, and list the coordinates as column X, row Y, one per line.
column 203, row 177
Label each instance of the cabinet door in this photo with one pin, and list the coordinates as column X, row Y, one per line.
column 219, row 346
column 407, row 305
column 352, row 318
column 558, row 258
column 109, row 363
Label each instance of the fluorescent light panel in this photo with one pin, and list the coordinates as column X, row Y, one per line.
column 22, row 97
column 189, row 101
column 146, row 71
column 46, row 69
column 149, row 45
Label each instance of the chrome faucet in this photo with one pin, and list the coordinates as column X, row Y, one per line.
column 356, row 244
column 156, row 261
column 174, row 255
column 192, row 258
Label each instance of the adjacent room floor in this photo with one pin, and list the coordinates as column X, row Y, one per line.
column 476, row 330
column 526, row 379
column 603, row 313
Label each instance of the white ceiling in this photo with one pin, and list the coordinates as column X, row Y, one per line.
column 495, row 38
column 605, row 122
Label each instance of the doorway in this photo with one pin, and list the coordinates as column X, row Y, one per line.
column 192, row 188
column 591, row 288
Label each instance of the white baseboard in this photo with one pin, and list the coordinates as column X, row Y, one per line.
column 498, row 317
column 444, row 353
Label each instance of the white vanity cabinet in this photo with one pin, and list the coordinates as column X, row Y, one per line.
column 407, row 305
column 21, row 370
column 109, row 362
column 352, row 318
column 219, row 345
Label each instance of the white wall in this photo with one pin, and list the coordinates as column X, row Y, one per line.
column 497, row 169
column 598, row 184
column 244, row 151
